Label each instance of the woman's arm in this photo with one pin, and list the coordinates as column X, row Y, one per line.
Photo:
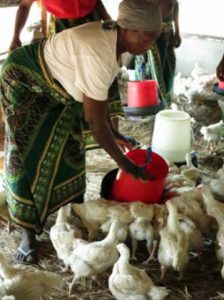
column 21, row 18
column 95, row 113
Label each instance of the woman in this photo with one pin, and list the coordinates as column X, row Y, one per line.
column 64, row 15
column 47, row 89
column 159, row 63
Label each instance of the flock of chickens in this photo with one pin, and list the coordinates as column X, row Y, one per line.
column 171, row 229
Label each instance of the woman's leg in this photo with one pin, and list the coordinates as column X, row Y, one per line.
column 26, row 252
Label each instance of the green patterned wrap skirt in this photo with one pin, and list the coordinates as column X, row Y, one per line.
column 44, row 146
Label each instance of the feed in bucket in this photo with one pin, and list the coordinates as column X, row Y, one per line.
column 126, row 188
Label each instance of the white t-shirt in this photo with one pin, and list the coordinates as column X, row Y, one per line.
column 83, row 60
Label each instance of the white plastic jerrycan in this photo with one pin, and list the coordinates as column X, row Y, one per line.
column 172, row 135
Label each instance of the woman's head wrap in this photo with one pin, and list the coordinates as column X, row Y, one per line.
column 140, row 15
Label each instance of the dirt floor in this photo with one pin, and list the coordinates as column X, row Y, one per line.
column 202, row 280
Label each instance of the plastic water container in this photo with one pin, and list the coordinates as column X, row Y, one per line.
column 172, row 135
column 126, row 188
column 142, row 93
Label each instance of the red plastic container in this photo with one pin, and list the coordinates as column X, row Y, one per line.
column 143, row 93
column 127, row 189
column 221, row 85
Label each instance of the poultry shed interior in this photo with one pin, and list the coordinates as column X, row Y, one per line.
column 104, row 249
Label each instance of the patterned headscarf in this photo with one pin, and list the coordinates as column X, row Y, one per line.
column 141, row 15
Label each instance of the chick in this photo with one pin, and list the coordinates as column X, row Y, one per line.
column 96, row 257
column 26, row 283
column 174, row 244
column 129, row 282
column 63, row 234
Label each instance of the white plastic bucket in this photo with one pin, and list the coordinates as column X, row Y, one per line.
column 172, row 135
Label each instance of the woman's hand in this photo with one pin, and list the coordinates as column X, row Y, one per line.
column 126, row 142
column 136, row 171
column 95, row 113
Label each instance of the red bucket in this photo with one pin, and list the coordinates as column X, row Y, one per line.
column 143, row 93
column 221, row 85
column 128, row 189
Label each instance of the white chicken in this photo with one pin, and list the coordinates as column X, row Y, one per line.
column 174, row 243
column 63, row 234
column 141, row 228
column 212, row 134
column 189, row 204
column 179, row 86
column 26, row 283
column 122, row 233
column 141, row 209
column 218, row 215
column 189, row 171
column 196, row 238
column 122, row 215
column 209, row 201
column 197, row 71
column 159, row 219
column 220, row 172
column 217, row 187
column 177, row 180
column 130, row 282
column 96, row 257
column 93, row 214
